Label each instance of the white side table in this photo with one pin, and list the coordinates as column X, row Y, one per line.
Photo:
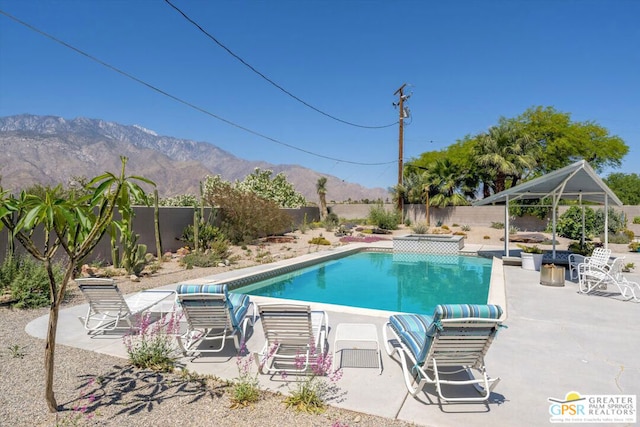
column 358, row 333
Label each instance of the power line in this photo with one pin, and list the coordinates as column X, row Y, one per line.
column 180, row 100
column 246, row 64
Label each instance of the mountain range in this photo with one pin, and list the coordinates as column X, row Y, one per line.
column 49, row 150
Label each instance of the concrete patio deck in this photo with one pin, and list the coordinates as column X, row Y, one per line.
column 557, row 341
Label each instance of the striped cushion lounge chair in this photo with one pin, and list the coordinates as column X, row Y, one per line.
column 108, row 307
column 212, row 314
column 454, row 336
column 294, row 336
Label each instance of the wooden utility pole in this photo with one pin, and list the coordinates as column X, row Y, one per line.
column 400, row 104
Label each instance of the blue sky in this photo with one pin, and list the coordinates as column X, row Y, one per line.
column 467, row 63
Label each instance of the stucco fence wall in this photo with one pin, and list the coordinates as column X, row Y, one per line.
column 173, row 220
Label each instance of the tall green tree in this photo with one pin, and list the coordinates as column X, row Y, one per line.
column 626, row 187
column 504, row 153
column 321, row 189
column 536, row 142
column 564, row 141
column 71, row 225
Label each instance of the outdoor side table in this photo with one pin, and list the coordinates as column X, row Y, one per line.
column 354, row 356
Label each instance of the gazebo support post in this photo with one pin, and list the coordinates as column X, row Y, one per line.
column 506, row 226
column 556, row 200
column 606, row 221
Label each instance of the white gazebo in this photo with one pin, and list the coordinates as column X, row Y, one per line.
column 577, row 181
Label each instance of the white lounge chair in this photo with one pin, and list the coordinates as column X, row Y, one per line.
column 599, row 258
column 456, row 336
column 108, row 307
column 294, row 336
column 212, row 314
column 600, row 280
column 574, row 261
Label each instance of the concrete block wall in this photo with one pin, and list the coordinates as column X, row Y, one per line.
column 472, row 215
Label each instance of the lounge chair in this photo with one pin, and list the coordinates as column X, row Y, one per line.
column 599, row 280
column 212, row 314
column 107, row 306
column 599, row 259
column 294, row 336
column 455, row 336
column 574, row 261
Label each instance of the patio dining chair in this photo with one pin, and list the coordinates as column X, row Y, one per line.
column 109, row 309
column 455, row 336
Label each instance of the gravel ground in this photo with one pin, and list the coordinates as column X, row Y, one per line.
column 126, row 396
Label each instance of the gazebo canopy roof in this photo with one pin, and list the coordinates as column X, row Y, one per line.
column 577, row 181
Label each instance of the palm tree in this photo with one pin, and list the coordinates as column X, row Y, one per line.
column 321, row 189
column 504, row 153
column 447, row 184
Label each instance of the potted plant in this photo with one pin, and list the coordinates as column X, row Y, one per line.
column 552, row 275
column 634, row 246
column 531, row 257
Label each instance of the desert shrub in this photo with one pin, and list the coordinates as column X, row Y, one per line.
column 617, row 221
column 460, row 233
column 27, row 282
column 634, row 246
column 245, row 389
column 180, row 200
column 420, row 228
column 245, row 215
column 618, row 238
column 444, row 227
column 513, row 229
column 570, row 223
column 319, row 241
column 577, row 248
column 455, row 224
column 152, row 345
column 200, row 259
column 217, row 250
column 381, row 218
column 497, row 225
column 407, row 222
column 486, row 237
column 636, row 219
column 630, row 234
column 532, row 207
column 466, row 228
column 331, row 221
column 208, row 236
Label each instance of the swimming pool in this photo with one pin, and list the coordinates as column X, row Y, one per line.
column 403, row 282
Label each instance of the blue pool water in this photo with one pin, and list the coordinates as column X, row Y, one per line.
column 412, row 283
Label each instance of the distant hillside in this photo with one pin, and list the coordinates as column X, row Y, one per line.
column 51, row 150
